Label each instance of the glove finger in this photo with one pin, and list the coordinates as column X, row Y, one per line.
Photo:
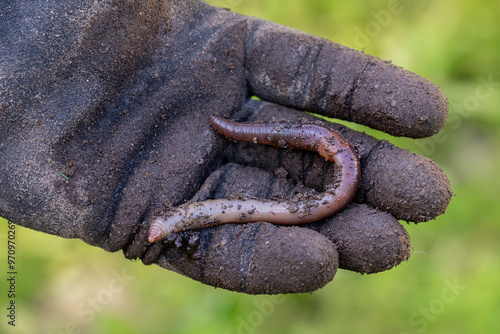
column 368, row 240
column 258, row 258
column 305, row 72
column 408, row 186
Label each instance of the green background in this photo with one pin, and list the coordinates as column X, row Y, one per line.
column 452, row 43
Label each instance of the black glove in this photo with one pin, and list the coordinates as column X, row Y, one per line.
column 104, row 112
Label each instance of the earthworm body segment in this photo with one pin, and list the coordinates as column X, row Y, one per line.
column 328, row 143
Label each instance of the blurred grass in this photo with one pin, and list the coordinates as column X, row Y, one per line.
column 451, row 43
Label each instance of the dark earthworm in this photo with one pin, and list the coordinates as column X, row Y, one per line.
column 328, row 143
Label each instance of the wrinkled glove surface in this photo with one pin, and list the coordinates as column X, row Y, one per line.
column 104, row 111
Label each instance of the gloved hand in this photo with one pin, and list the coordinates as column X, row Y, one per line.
column 104, row 112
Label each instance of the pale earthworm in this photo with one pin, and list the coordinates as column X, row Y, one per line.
column 328, row 143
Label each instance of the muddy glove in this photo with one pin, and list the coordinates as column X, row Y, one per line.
column 104, row 109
